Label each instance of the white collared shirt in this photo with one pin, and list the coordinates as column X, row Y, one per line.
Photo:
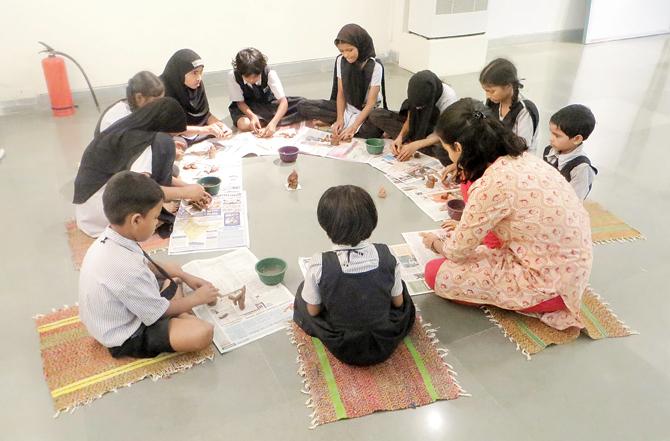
column 118, row 111
column 117, row 290
column 235, row 91
column 581, row 177
column 90, row 216
column 351, row 112
column 353, row 260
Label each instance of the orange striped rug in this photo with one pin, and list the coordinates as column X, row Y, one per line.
column 80, row 242
column 607, row 228
column 415, row 375
column 79, row 370
column 532, row 336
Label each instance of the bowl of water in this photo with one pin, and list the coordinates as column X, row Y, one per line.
column 212, row 184
column 271, row 270
column 455, row 208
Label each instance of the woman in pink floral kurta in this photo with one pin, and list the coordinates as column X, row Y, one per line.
column 546, row 250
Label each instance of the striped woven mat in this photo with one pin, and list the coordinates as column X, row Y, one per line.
column 532, row 336
column 80, row 242
column 413, row 376
column 79, row 370
column 607, row 228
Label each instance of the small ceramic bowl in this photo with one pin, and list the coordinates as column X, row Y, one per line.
column 212, row 184
column 288, row 153
column 271, row 270
column 375, row 146
column 455, row 208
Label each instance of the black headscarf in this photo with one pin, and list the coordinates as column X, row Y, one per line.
column 116, row 148
column 356, row 77
column 193, row 101
column 423, row 91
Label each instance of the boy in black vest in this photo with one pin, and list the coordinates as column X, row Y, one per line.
column 569, row 127
column 258, row 100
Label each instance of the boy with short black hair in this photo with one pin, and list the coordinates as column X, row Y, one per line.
column 570, row 127
column 258, row 100
column 120, row 300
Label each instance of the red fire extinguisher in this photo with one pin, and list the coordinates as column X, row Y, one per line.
column 55, row 74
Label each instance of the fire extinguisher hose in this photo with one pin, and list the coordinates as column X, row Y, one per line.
column 51, row 51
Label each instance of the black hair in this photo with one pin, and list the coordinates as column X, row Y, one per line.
column 144, row 83
column 482, row 137
column 347, row 213
column 574, row 120
column 127, row 193
column 501, row 72
column 250, row 61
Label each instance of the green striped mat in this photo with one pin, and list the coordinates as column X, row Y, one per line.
column 413, row 376
column 532, row 336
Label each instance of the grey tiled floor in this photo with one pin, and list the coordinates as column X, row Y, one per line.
column 604, row 390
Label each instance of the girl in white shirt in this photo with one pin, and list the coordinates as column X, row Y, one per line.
column 356, row 90
column 143, row 88
column 500, row 82
column 258, row 100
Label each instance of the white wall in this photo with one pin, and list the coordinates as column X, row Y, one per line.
column 113, row 40
column 617, row 19
column 521, row 17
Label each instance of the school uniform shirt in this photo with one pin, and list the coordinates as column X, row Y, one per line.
column 350, row 111
column 119, row 110
column 523, row 126
column 353, row 260
column 447, row 98
column 235, row 91
column 90, row 215
column 581, row 177
column 117, row 290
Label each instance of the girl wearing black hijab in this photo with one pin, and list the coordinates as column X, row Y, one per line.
column 412, row 127
column 141, row 142
column 358, row 79
column 182, row 78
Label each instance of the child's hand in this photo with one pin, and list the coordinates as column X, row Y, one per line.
column 194, row 282
column 227, row 132
column 337, row 127
column 195, row 192
column 396, row 146
column 206, row 294
column 268, row 131
column 347, row 134
column 255, row 123
column 407, row 151
column 215, row 130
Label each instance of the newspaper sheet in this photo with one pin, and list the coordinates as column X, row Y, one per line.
column 411, row 178
column 267, row 309
column 221, row 226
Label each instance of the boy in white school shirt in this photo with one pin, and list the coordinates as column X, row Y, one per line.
column 570, row 127
column 121, row 302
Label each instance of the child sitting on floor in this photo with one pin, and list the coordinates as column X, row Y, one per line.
column 353, row 298
column 570, row 127
column 257, row 95
column 121, row 302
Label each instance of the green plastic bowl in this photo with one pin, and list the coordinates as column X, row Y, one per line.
column 375, row 146
column 271, row 270
column 212, row 184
